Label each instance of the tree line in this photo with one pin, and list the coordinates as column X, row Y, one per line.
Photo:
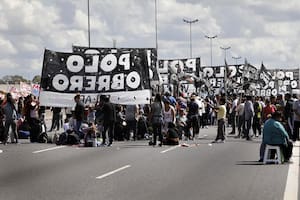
column 16, row 79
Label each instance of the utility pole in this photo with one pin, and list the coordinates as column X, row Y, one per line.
column 190, row 22
column 236, row 59
column 210, row 38
column 89, row 31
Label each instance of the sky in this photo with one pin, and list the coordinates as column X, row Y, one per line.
column 257, row 30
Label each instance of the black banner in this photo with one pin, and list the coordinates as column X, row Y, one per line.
column 124, row 76
column 151, row 57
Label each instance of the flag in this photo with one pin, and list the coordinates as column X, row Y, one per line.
column 264, row 75
column 25, row 89
column 35, row 90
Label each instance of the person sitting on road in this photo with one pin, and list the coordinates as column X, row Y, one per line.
column 275, row 134
column 172, row 137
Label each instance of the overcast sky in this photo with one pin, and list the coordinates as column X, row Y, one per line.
column 259, row 30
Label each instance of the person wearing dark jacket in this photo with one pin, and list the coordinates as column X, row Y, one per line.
column 78, row 114
column 10, row 114
column 109, row 119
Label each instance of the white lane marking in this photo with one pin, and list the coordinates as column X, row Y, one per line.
column 1, row 151
column 169, row 149
column 113, row 172
column 49, row 149
column 291, row 187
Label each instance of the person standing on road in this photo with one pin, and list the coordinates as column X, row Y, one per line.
column 288, row 114
column 221, row 118
column 257, row 117
column 55, row 118
column 169, row 115
column 156, row 119
column 109, row 113
column 248, row 113
column 296, row 109
column 10, row 114
column 78, row 115
column 241, row 118
column 131, row 113
column 232, row 116
column 192, row 116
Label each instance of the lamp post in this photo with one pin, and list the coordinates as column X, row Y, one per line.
column 225, row 49
column 156, row 42
column 236, row 59
column 190, row 22
column 210, row 38
column 89, row 32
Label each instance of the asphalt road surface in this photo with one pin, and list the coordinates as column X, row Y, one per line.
column 132, row 170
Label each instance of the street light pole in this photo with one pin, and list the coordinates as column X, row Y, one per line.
column 156, row 42
column 236, row 59
column 190, row 22
column 89, row 32
column 225, row 49
column 210, row 38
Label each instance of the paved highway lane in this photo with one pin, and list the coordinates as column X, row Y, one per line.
column 134, row 170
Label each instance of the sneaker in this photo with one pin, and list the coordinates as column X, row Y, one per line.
column 215, row 141
column 222, row 141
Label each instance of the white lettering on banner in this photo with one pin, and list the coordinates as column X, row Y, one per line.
column 94, row 67
column 191, row 65
column 117, row 82
column 186, row 65
column 109, row 63
column 91, row 83
column 106, row 82
column 60, row 82
column 75, row 63
column 208, row 72
column 294, row 84
column 290, row 75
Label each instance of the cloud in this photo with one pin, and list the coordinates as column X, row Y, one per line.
column 258, row 30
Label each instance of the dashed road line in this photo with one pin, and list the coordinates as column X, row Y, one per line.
column 1, row 151
column 170, row 149
column 49, row 149
column 291, row 188
column 113, row 172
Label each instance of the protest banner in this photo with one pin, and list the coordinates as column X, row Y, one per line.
column 122, row 75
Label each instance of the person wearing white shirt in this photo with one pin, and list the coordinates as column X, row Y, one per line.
column 233, row 113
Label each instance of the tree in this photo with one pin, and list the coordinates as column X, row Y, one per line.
column 36, row 79
column 14, row 79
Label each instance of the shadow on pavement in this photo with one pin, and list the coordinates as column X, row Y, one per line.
column 249, row 163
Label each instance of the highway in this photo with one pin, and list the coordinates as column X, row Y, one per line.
column 132, row 170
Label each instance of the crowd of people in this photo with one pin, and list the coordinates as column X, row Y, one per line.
column 167, row 117
column 14, row 114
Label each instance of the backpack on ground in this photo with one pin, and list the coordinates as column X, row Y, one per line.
column 73, row 138
column 62, row 139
